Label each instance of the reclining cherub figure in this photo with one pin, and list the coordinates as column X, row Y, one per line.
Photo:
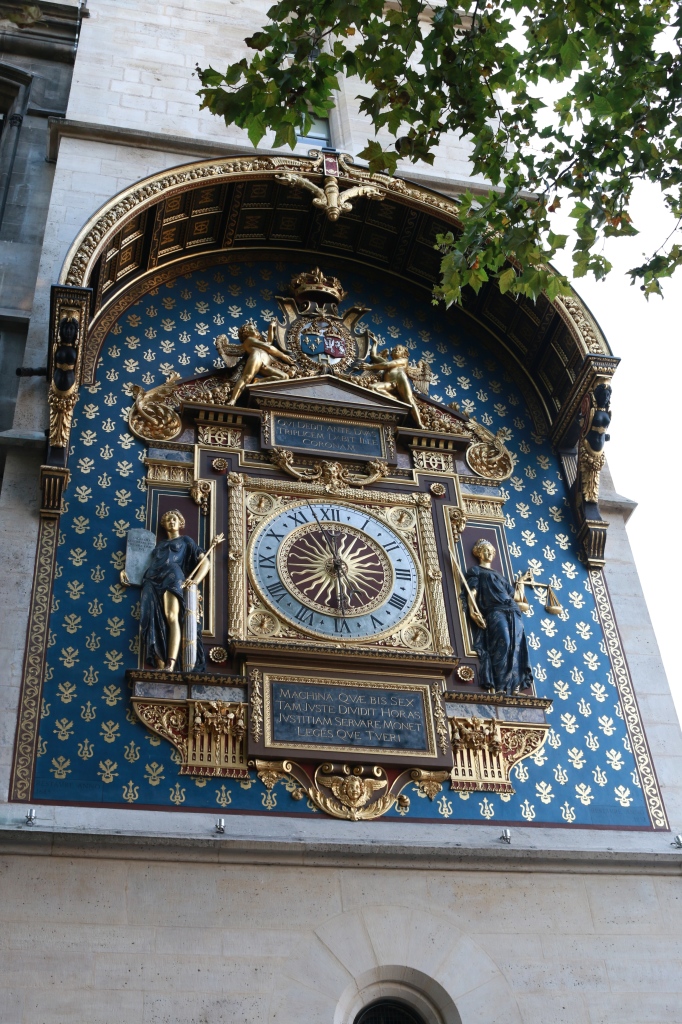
column 263, row 358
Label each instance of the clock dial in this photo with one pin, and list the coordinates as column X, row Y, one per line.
column 334, row 570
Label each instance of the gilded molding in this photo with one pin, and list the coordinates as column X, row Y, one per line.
column 34, row 662
column 440, row 716
column 486, row 508
column 256, row 677
column 159, row 472
column 219, row 436
column 433, row 461
column 628, row 701
column 235, row 558
column 581, row 325
column 433, row 574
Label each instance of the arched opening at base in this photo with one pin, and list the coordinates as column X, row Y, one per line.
column 396, row 995
column 388, row 1011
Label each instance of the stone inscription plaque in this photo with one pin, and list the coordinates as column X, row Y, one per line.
column 322, row 436
column 337, row 716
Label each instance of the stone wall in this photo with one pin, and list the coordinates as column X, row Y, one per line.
column 136, row 64
column 158, row 936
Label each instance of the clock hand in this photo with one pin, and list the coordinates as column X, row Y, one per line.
column 324, row 533
column 353, row 590
column 339, row 591
column 336, row 562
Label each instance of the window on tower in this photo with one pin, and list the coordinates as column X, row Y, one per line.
column 388, row 1011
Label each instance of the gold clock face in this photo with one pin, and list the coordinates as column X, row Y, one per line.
column 335, row 570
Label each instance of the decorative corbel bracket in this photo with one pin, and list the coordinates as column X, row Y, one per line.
column 486, row 751
column 579, row 435
column 209, row 735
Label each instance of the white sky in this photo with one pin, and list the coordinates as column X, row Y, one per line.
column 643, row 453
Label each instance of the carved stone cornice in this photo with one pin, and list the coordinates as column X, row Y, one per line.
column 582, row 324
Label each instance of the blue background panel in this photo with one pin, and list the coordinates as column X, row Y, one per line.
column 91, row 747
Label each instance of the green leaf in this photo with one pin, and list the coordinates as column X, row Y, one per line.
column 616, row 87
column 506, row 279
column 255, row 130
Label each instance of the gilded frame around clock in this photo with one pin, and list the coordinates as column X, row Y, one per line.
column 257, row 585
column 423, row 635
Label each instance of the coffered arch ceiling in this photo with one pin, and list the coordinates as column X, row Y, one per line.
column 238, row 206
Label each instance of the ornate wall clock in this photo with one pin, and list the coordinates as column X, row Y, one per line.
column 335, row 570
column 357, row 569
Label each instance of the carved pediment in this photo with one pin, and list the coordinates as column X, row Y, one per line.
column 329, row 392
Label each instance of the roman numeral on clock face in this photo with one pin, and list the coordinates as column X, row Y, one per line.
column 299, row 517
column 331, row 514
column 277, row 590
column 305, row 615
column 403, row 574
column 397, row 602
column 266, row 562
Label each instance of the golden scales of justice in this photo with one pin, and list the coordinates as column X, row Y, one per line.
column 522, row 580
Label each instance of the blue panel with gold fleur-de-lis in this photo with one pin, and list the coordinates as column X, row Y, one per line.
column 91, row 747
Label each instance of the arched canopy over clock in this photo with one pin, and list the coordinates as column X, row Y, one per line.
column 206, row 211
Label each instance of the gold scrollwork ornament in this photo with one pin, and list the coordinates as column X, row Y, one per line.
column 488, row 457
column 154, row 416
column 333, row 475
column 351, row 794
column 428, row 783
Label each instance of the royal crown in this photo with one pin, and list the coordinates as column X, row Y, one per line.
column 315, row 285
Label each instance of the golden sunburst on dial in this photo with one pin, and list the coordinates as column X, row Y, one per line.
column 335, row 568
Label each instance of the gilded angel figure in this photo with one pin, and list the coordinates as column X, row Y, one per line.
column 263, row 357
column 396, row 375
